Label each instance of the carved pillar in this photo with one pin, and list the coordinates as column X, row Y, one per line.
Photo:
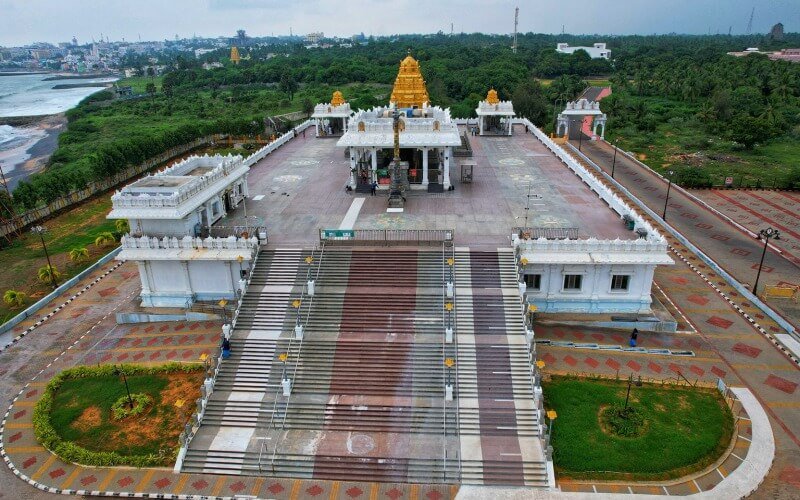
column 447, row 154
column 316, row 127
column 374, row 164
column 425, row 167
column 352, row 167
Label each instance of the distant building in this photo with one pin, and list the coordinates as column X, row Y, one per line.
column 789, row 55
column 597, row 51
column 314, row 38
column 200, row 52
column 776, row 33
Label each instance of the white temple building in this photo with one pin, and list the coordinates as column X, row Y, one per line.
column 428, row 135
column 494, row 116
column 170, row 214
column 331, row 119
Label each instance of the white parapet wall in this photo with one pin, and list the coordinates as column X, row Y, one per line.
column 176, row 272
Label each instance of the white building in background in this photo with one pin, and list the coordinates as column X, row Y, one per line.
column 596, row 51
column 170, row 216
column 331, row 118
column 494, row 116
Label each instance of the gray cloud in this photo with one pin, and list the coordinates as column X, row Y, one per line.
column 25, row 21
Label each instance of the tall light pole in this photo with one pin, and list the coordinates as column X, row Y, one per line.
column 764, row 234
column 614, row 163
column 669, row 185
column 118, row 371
column 40, row 230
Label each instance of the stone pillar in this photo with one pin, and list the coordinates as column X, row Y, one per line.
column 245, row 188
column 446, row 181
column 374, row 164
column 480, row 123
column 145, row 277
column 186, row 277
column 231, row 286
column 425, row 167
column 352, row 167
column 316, row 127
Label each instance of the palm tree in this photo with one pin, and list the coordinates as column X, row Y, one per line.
column 13, row 298
column 48, row 274
column 78, row 254
column 105, row 239
column 122, row 226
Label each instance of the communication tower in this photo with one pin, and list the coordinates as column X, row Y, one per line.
column 516, row 22
column 750, row 22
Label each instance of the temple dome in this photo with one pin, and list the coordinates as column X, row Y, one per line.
column 337, row 99
column 409, row 87
column 491, row 97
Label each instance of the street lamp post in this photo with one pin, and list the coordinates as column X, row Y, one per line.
column 118, row 371
column 40, row 230
column 764, row 234
column 580, row 135
column 669, row 185
column 614, row 163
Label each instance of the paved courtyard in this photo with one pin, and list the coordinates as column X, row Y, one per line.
column 303, row 189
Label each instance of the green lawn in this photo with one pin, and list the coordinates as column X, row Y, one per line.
column 686, row 429
column 81, row 412
column 139, row 83
column 24, row 256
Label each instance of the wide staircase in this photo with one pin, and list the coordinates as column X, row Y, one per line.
column 368, row 399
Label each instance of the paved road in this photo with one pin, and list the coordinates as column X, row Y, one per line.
column 734, row 250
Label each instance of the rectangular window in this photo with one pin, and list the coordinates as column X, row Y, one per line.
column 619, row 282
column 533, row 281
column 573, row 281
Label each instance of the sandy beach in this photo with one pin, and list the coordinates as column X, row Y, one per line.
column 31, row 156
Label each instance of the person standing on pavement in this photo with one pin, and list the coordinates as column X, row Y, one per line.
column 373, row 188
column 634, row 337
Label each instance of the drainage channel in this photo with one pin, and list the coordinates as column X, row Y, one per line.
column 604, row 347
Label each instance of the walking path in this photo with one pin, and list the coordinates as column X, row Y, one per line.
column 736, row 251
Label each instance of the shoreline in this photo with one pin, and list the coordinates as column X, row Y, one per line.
column 31, row 157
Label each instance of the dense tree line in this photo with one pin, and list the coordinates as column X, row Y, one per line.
column 747, row 99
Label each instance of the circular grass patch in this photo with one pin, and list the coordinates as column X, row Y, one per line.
column 684, row 429
column 130, row 406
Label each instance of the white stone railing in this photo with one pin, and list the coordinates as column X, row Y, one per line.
column 182, row 193
column 543, row 245
column 505, row 106
column 326, row 108
column 272, row 146
column 194, row 161
column 615, row 202
column 189, row 242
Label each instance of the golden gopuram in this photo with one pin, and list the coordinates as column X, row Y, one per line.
column 409, row 86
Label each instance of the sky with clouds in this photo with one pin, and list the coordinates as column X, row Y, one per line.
column 26, row 21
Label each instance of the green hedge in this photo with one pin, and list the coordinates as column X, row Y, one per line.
column 69, row 451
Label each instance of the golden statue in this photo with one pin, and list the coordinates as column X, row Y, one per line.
column 337, row 99
column 491, row 97
column 235, row 55
column 409, row 87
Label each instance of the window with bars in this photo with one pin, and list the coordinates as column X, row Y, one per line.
column 533, row 281
column 619, row 282
column 573, row 281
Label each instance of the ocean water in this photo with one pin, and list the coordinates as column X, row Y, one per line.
column 30, row 95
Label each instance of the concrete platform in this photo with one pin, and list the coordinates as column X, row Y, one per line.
column 303, row 189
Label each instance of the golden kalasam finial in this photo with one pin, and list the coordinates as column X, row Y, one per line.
column 337, row 99
column 491, row 97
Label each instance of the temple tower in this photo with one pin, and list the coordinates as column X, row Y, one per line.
column 409, row 86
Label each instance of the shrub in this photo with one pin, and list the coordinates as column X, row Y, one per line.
column 13, row 298
column 690, row 177
column 122, row 407
column 105, row 239
column 78, row 254
column 48, row 274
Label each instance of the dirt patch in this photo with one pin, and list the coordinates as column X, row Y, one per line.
column 166, row 421
column 90, row 418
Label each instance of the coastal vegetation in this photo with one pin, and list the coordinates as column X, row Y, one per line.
column 598, row 434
